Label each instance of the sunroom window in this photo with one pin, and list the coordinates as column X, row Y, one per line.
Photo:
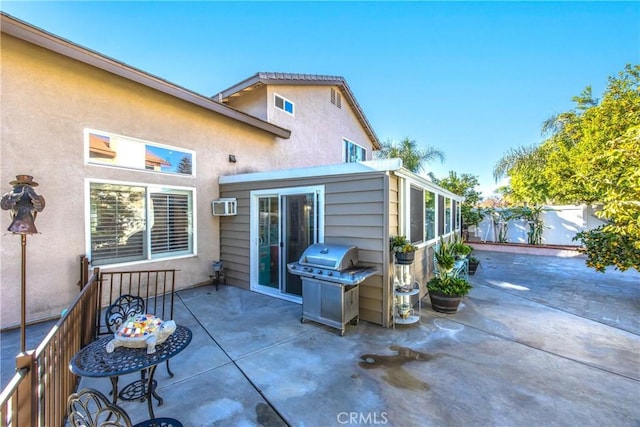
column 136, row 222
column 429, row 215
column 416, row 215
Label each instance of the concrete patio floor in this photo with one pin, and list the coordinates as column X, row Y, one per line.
column 539, row 341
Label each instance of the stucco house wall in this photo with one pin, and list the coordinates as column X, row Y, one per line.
column 47, row 102
column 52, row 92
column 317, row 126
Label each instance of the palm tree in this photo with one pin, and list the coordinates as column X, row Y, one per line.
column 522, row 158
column 412, row 157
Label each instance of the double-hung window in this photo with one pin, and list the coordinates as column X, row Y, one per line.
column 138, row 222
column 353, row 152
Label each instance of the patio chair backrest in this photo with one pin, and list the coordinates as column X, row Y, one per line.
column 124, row 307
column 89, row 407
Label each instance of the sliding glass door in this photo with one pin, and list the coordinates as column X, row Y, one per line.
column 284, row 222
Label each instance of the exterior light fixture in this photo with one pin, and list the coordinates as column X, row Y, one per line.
column 24, row 204
column 232, row 158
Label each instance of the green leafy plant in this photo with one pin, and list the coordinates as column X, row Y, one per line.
column 445, row 256
column 604, row 248
column 460, row 249
column 401, row 244
column 449, row 285
column 532, row 216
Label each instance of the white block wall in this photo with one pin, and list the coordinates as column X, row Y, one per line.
column 561, row 224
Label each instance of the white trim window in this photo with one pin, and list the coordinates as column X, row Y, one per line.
column 129, row 223
column 430, row 215
column 353, row 152
column 109, row 149
column 283, row 104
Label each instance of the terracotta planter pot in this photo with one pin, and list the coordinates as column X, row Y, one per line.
column 405, row 258
column 444, row 303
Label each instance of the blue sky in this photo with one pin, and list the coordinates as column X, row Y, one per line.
column 472, row 79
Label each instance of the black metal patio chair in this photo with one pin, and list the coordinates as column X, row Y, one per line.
column 90, row 408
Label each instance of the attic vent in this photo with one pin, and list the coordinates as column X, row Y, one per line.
column 336, row 98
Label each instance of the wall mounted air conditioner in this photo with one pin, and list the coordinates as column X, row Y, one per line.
column 224, row 207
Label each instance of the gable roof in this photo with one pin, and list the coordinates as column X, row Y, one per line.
column 270, row 78
column 31, row 34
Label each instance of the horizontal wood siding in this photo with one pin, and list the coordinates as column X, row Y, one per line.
column 235, row 239
column 354, row 215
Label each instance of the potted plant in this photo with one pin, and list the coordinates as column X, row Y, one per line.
column 444, row 256
column 403, row 250
column 461, row 249
column 446, row 292
column 471, row 217
column 473, row 265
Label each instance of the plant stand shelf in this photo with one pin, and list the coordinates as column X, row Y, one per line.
column 405, row 288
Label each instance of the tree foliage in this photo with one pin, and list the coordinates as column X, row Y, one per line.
column 413, row 158
column 464, row 185
column 590, row 155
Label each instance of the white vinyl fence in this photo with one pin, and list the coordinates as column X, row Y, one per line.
column 561, row 223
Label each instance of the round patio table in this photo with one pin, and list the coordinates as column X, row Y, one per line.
column 94, row 361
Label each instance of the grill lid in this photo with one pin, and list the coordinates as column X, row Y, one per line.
column 335, row 257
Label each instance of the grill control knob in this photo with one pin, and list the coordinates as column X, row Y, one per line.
column 330, row 273
column 319, row 271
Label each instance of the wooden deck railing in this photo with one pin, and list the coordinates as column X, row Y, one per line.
column 37, row 394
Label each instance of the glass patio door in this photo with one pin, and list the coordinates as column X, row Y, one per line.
column 285, row 223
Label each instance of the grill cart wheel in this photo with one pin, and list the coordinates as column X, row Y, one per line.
column 303, row 320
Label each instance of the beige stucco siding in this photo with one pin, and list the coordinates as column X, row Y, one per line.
column 317, row 126
column 317, row 123
column 252, row 102
column 354, row 215
column 47, row 102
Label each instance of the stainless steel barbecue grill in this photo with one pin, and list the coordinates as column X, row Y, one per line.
column 330, row 277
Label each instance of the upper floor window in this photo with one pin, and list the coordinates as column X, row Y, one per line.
column 139, row 222
column 283, row 104
column 125, row 152
column 353, row 152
